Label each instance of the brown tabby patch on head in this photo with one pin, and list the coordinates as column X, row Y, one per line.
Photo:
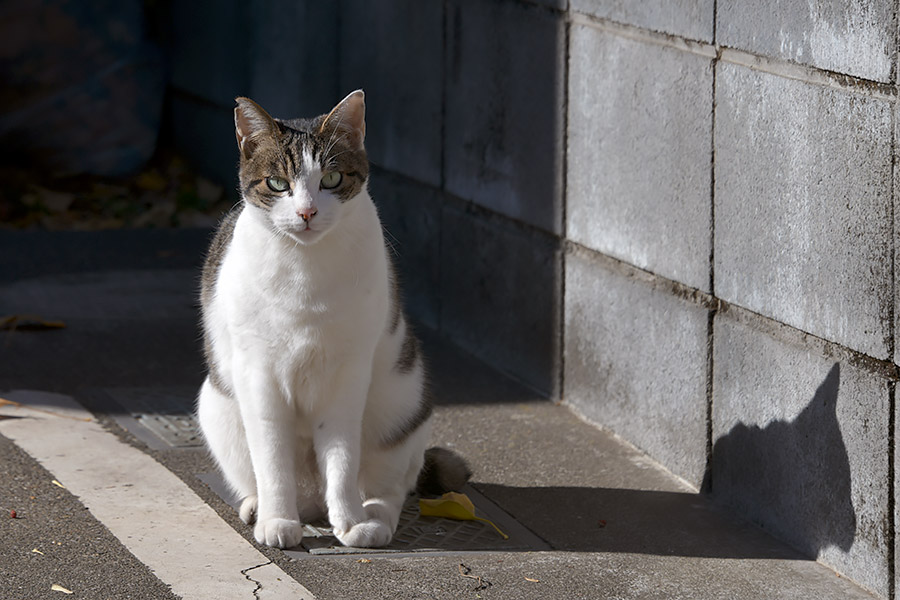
column 275, row 148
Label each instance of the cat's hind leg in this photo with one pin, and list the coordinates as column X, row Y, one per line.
column 387, row 476
column 223, row 430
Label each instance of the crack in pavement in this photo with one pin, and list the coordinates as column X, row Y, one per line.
column 245, row 573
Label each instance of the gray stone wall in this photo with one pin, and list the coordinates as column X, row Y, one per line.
column 675, row 217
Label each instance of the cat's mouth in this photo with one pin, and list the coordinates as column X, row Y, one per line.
column 303, row 233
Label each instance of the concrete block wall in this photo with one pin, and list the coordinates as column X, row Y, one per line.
column 678, row 218
column 730, row 297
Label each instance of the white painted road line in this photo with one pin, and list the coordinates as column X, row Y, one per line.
column 150, row 510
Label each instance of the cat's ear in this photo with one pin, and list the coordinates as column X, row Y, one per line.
column 250, row 122
column 348, row 118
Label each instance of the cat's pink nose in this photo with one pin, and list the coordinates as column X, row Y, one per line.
column 307, row 213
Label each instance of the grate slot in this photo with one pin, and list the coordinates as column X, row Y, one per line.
column 165, row 413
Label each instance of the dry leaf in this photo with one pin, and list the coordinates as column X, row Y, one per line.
column 152, row 181
column 453, row 505
column 532, row 580
column 5, row 402
column 59, row 588
column 364, row 560
column 55, row 482
column 36, row 551
column 28, row 322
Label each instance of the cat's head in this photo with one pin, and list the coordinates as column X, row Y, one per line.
column 302, row 173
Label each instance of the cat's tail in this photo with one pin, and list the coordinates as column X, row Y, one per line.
column 444, row 471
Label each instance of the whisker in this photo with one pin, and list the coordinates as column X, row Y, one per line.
column 390, row 239
column 329, row 158
column 331, row 140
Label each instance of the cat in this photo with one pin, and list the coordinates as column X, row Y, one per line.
column 315, row 403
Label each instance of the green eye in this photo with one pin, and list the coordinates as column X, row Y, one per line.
column 331, row 180
column 277, row 184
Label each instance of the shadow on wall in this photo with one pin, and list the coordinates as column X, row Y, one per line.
column 792, row 478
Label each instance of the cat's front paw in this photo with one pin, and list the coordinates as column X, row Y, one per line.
column 279, row 533
column 248, row 508
column 373, row 533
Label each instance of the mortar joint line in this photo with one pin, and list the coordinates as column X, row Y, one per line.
column 712, row 178
column 710, row 430
column 892, row 386
column 892, row 309
column 710, row 325
column 892, row 491
column 564, row 197
column 442, row 185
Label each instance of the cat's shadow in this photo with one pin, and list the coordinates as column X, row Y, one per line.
column 792, row 478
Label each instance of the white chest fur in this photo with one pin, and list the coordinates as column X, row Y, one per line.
column 295, row 313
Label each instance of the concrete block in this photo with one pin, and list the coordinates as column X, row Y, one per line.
column 500, row 294
column 204, row 134
column 411, row 215
column 640, row 130
column 856, row 38
column 801, row 445
column 294, row 53
column 692, row 19
column 504, row 108
column 210, row 49
column 394, row 51
column 635, row 361
column 803, row 206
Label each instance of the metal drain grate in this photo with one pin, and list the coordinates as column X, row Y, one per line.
column 166, row 413
column 415, row 533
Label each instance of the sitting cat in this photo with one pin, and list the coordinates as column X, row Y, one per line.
column 315, row 403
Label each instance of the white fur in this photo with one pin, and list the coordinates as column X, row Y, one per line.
column 299, row 326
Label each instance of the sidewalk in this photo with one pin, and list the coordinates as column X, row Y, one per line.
column 588, row 516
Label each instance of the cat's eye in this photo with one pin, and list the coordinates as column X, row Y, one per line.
column 277, row 184
column 331, row 180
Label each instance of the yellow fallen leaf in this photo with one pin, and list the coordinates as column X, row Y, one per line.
column 532, row 580
column 453, row 505
column 56, row 483
column 59, row 588
column 36, row 551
